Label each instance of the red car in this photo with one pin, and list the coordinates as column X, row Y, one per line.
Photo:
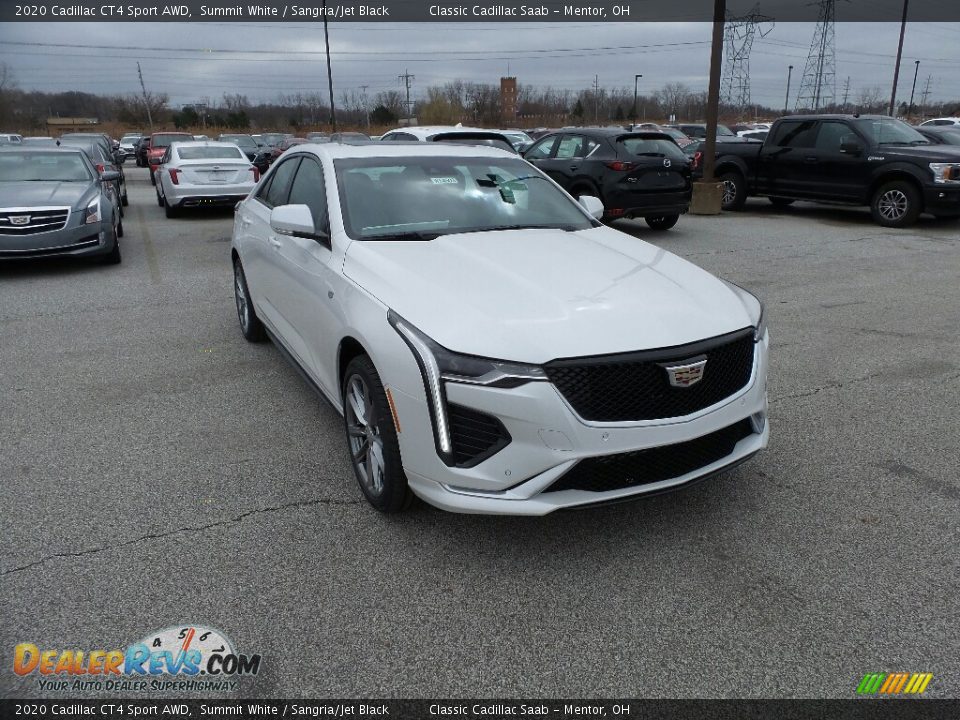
column 159, row 142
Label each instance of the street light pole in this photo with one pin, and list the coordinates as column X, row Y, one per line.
column 786, row 102
column 896, row 69
column 636, row 82
column 916, row 69
column 326, row 37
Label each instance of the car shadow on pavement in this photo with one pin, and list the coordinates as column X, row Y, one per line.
column 15, row 269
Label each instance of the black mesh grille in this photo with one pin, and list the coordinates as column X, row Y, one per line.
column 625, row 470
column 30, row 222
column 635, row 386
column 475, row 435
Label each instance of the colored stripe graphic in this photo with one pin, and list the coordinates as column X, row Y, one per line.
column 894, row 683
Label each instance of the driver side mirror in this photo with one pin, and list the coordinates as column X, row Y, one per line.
column 109, row 176
column 851, row 147
column 295, row 220
column 592, row 205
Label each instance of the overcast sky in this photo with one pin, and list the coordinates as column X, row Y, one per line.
column 177, row 58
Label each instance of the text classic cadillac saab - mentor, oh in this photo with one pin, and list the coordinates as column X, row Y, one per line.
column 492, row 347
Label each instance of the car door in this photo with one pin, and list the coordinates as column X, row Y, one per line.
column 260, row 257
column 541, row 152
column 308, row 299
column 787, row 159
column 837, row 173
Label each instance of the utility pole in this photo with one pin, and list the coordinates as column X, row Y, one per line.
column 916, row 69
column 636, row 81
column 896, row 69
column 846, row 93
column 924, row 94
column 366, row 109
column 146, row 100
column 326, row 40
column 596, row 99
column 407, row 77
column 786, row 102
column 713, row 94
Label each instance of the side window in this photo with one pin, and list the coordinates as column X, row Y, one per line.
column 832, row 135
column 279, row 188
column 571, row 146
column 308, row 189
column 542, row 150
column 796, row 134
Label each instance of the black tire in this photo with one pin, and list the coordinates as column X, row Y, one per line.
column 112, row 257
column 124, row 200
column 661, row 222
column 153, row 180
column 171, row 211
column 896, row 204
column 250, row 324
column 781, row 201
column 120, row 229
column 734, row 191
column 159, row 199
column 372, row 439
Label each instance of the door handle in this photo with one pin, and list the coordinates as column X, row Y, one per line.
column 244, row 223
column 273, row 240
column 574, row 167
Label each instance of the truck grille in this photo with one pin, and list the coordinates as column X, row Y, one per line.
column 641, row 467
column 30, row 221
column 475, row 435
column 636, row 386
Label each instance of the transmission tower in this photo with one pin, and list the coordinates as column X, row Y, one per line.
column 738, row 36
column 818, row 88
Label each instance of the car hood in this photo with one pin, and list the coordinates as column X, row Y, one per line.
column 537, row 295
column 930, row 153
column 37, row 194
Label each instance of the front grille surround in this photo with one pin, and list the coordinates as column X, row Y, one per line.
column 634, row 387
column 637, row 468
column 42, row 219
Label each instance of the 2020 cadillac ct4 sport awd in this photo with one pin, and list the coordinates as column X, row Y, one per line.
column 492, row 347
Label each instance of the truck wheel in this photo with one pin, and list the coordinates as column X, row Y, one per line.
column 896, row 204
column 734, row 191
column 781, row 201
column 661, row 222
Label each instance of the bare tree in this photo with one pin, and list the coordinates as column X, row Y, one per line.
column 673, row 97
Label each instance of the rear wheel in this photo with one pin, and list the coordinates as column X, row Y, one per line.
column 120, row 229
column 896, row 204
column 372, row 438
column 734, row 191
column 661, row 222
column 153, row 180
column 250, row 324
column 171, row 211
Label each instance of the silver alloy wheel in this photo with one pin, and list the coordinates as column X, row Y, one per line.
column 729, row 192
column 243, row 304
column 892, row 205
column 363, row 432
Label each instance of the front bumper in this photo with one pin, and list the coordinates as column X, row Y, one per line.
column 942, row 200
column 86, row 240
column 548, row 439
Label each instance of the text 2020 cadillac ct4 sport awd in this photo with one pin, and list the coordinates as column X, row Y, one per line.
column 492, row 347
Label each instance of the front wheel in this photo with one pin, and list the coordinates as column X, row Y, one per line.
column 112, row 257
column 896, row 204
column 661, row 222
column 734, row 191
column 372, row 438
column 250, row 324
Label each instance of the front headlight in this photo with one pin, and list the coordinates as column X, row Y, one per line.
column 758, row 315
column 944, row 173
column 439, row 366
column 92, row 213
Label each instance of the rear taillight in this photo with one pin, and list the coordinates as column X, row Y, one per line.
column 621, row 166
column 174, row 175
column 697, row 159
column 256, row 174
column 615, row 212
column 100, row 167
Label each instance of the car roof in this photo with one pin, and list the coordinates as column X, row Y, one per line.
column 425, row 131
column 403, row 149
column 42, row 149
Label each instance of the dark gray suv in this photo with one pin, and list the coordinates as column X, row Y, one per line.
column 53, row 202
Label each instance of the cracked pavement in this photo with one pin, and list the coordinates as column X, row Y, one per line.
column 159, row 470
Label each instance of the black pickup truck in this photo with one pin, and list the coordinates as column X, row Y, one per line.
column 870, row 160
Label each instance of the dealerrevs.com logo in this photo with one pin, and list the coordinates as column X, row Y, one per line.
column 177, row 658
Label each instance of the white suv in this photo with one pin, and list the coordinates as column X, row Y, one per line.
column 492, row 347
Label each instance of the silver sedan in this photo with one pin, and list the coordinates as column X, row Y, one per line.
column 203, row 174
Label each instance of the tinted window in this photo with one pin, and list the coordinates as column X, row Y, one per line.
column 164, row 140
column 279, row 189
column 832, row 135
column 542, row 149
column 796, row 134
column 308, row 189
column 652, row 146
column 210, row 153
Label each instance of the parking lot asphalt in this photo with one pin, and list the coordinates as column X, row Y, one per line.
column 157, row 470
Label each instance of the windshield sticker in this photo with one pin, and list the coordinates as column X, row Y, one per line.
column 444, row 181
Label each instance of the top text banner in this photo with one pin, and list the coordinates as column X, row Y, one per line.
column 642, row 11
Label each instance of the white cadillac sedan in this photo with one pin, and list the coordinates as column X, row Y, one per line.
column 492, row 347
column 203, row 174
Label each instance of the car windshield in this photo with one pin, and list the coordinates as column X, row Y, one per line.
column 651, row 147
column 889, row 131
column 950, row 137
column 725, row 131
column 210, row 153
column 39, row 167
column 674, row 133
column 420, row 198
column 244, row 141
column 160, row 141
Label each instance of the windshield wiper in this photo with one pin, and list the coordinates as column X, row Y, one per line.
column 497, row 228
column 408, row 235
